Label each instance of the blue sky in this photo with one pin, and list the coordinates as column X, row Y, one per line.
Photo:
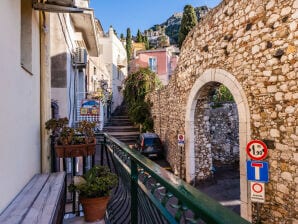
column 140, row 14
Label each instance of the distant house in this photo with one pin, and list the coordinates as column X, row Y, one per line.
column 157, row 38
column 137, row 47
column 114, row 57
column 162, row 61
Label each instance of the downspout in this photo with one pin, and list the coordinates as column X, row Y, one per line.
column 45, row 90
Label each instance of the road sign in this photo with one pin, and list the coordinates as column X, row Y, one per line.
column 180, row 140
column 256, row 150
column 257, row 171
column 257, row 192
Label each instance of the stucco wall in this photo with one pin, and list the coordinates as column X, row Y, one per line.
column 251, row 46
column 112, row 51
column 62, row 70
column 20, row 110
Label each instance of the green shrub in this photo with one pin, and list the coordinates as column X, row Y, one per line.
column 97, row 182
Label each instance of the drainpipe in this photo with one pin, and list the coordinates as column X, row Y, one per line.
column 45, row 90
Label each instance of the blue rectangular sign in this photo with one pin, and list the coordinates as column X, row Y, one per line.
column 257, row 171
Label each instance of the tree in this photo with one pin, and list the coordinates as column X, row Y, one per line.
column 115, row 32
column 221, row 95
column 163, row 41
column 139, row 37
column 121, row 36
column 128, row 44
column 146, row 41
column 137, row 86
column 189, row 20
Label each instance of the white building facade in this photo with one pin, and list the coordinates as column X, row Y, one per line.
column 74, row 62
column 115, row 59
column 20, row 86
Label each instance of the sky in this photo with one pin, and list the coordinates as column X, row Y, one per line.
column 140, row 14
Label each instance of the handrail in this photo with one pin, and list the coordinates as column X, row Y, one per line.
column 173, row 198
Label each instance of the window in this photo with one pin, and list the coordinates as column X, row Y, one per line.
column 153, row 64
column 26, row 35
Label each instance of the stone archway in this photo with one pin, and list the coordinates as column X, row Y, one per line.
column 222, row 77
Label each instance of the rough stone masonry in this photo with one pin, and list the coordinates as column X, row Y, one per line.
column 257, row 42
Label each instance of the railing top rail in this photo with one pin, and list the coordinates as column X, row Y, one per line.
column 204, row 206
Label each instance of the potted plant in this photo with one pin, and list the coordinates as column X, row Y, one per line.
column 72, row 142
column 94, row 190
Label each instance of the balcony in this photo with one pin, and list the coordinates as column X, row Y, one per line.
column 147, row 193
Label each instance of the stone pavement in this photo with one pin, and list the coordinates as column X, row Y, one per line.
column 226, row 190
column 80, row 220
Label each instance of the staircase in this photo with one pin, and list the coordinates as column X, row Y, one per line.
column 120, row 127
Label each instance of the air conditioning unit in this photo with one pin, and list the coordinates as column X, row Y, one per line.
column 80, row 57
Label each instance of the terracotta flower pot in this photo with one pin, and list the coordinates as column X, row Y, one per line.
column 63, row 151
column 94, row 208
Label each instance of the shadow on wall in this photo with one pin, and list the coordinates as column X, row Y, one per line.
column 59, row 71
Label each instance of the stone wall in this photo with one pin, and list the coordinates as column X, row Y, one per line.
column 224, row 134
column 257, row 42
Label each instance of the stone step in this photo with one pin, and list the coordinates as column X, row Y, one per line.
column 124, row 123
column 119, row 124
column 120, row 129
column 120, row 119
column 119, row 136
column 120, row 116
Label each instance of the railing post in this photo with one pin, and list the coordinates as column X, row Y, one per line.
column 134, row 192
column 53, row 155
column 103, row 148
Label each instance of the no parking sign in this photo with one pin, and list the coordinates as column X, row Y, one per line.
column 257, row 191
column 180, row 140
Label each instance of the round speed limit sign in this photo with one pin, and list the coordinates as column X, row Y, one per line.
column 256, row 149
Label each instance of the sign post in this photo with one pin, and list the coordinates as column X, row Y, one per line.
column 257, row 171
column 181, row 147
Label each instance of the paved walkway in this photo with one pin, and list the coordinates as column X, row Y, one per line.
column 80, row 220
column 226, row 190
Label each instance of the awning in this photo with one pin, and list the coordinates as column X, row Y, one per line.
column 84, row 23
column 56, row 8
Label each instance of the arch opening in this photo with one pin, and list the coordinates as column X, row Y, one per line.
column 216, row 145
column 217, row 135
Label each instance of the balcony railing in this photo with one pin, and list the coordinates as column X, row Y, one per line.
column 147, row 193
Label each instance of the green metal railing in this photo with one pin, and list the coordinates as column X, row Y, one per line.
column 148, row 193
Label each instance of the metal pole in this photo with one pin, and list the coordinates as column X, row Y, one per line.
column 180, row 161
